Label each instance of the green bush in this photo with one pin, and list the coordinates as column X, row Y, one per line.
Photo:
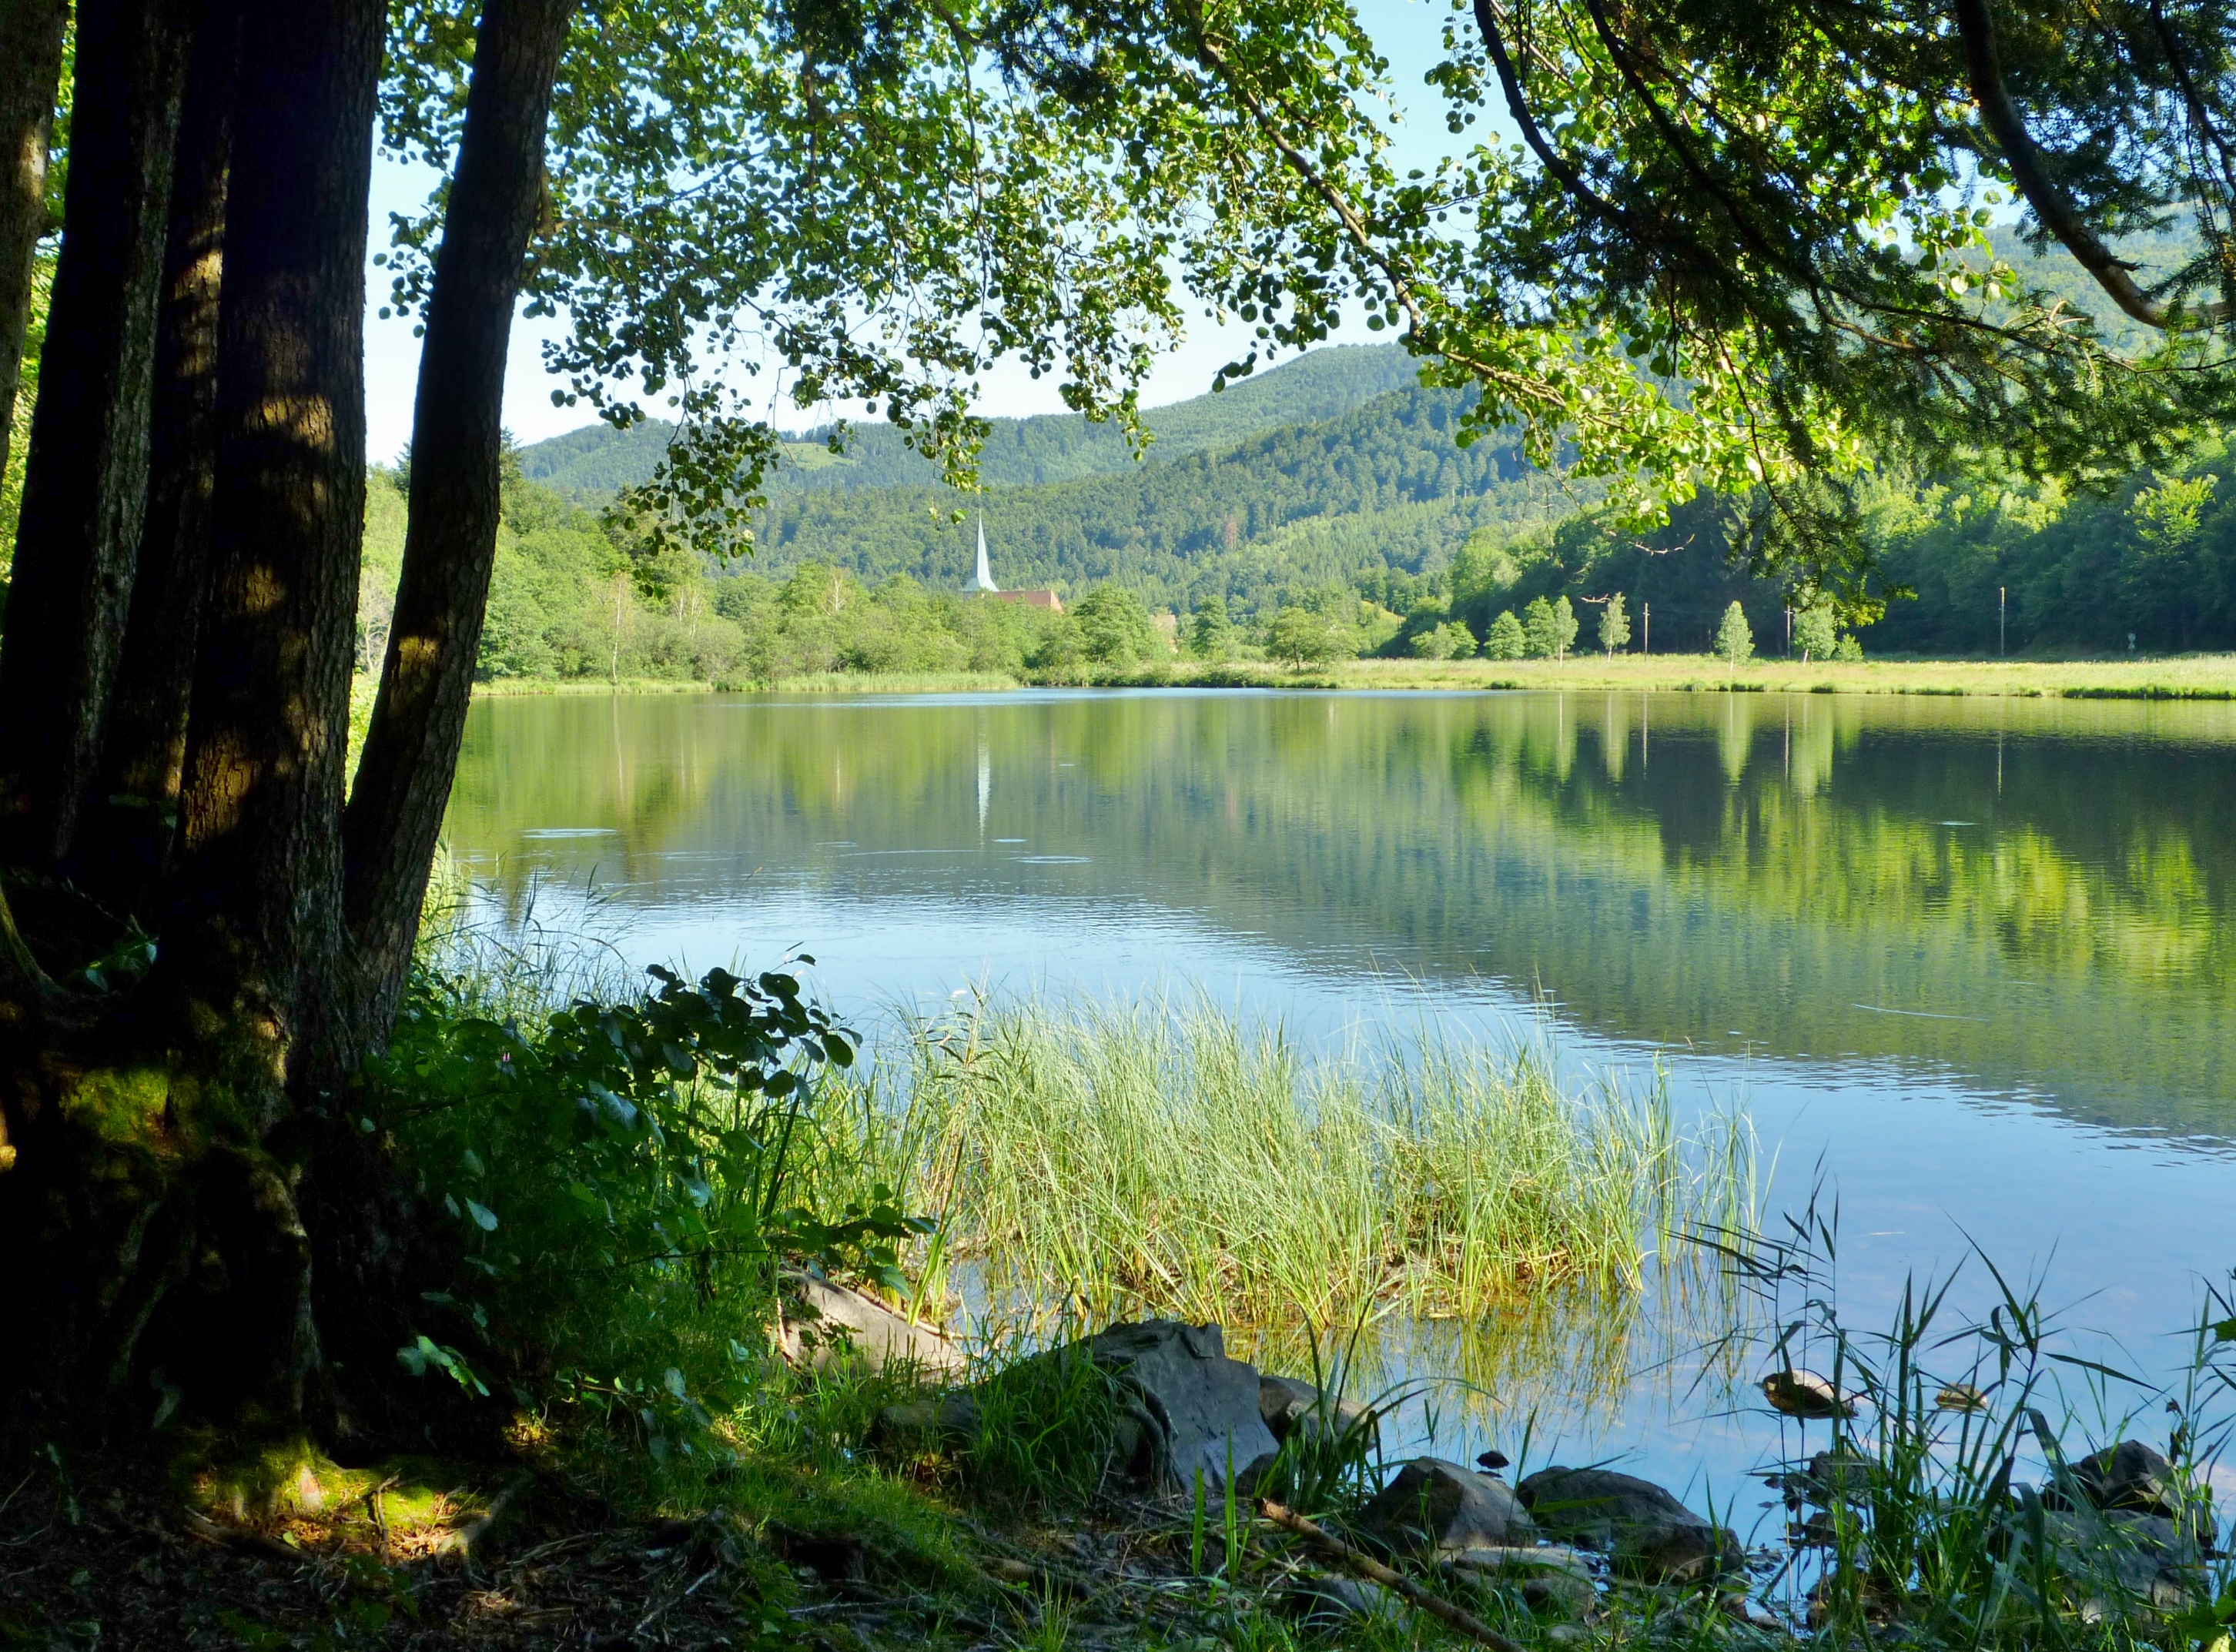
column 621, row 1186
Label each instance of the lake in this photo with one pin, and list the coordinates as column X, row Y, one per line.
column 1968, row 964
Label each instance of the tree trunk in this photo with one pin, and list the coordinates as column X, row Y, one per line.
column 256, row 910
column 132, row 817
column 30, row 73
column 253, row 937
column 411, row 750
column 85, row 481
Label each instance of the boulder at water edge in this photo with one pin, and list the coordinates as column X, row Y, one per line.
column 2130, row 1475
column 1199, row 1408
column 1646, row 1532
column 1438, row 1507
column 1288, row 1404
column 827, row 1322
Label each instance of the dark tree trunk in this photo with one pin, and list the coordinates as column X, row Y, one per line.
column 85, row 480
column 132, row 817
column 411, row 750
column 31, row 74
column 252, row 940
column 254, row 927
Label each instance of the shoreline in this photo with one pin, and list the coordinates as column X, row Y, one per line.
column 2191, row 677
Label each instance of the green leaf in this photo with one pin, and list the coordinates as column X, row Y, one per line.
column 484, row 1218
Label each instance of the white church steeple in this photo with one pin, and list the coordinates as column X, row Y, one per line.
column 983, row 580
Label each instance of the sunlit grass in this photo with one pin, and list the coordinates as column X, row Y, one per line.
column 1166, row 1157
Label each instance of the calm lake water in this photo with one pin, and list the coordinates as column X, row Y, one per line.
column 1970, row 964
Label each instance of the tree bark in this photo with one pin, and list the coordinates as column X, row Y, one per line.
column 31, row 50
column 411, row 750
column 254, row 926
column 85, row 480
column 132, row 817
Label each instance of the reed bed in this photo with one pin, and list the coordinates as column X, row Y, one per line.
column 1172, row 1158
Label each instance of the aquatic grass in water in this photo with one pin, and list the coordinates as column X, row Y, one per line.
column 1168, row 1157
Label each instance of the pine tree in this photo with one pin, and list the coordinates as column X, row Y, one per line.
column 1506, row 640
column 1540, row 629
column 1735, row 640
column 1615, row 626
column 1211, row 634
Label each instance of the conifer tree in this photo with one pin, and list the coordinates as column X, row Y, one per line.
column 1507, row 639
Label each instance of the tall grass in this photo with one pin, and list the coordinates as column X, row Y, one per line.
column 1171, row 1157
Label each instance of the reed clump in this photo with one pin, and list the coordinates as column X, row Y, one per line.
column 1171, row 1157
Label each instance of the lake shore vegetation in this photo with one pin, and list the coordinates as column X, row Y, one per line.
column 636, row 1186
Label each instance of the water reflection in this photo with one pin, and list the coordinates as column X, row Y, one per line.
column 1969, row 961
column 2030, row 894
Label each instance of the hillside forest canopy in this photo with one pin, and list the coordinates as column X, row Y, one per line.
column 1743, row 325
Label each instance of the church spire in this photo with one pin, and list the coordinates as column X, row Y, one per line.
column 983, row 581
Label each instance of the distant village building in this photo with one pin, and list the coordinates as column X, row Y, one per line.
column 982, row 583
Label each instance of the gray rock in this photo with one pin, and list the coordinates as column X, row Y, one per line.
column 2124, row 1561
column 934, row 1422
column 1289, row 1403
column 1549, row 1578
column 1646, row 1532
column 828, row 1323
column 1831, row 1474
column 1333, row 1602
column 1199, row 1410
column 1442, row 1508
column 2130, row 1475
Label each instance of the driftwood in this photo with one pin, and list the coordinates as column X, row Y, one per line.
column 1375, row 1572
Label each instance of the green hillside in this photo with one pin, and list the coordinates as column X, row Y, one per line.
column 1053, row 447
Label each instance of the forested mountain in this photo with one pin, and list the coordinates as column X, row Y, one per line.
column 1323, row 384
column 1332, row 478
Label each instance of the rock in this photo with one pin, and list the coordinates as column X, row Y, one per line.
column 1492, row 1462
column 2131, row 1475
column 832, row 1323
column 2124, row 1560
column 1443, row 1508
column 1199, row 1408
column 1841, row 1474
column 1548, row 1578
column 932, row 1423
column 1333, row 1603
column 1646, row 1532
column 1287, row 1403
column 1804, row 1393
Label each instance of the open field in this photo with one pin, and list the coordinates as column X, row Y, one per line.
column 2211, row 677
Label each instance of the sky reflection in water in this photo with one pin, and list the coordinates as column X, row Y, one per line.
column 1967, row 963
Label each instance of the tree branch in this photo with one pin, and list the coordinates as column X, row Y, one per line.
column 2058, row 215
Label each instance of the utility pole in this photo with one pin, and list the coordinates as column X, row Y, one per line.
column 2003, row 610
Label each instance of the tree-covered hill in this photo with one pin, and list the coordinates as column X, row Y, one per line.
column 1323, row 385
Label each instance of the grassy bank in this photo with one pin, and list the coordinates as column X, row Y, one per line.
column 2184, row 677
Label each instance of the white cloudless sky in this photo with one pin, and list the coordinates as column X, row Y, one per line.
column 1409, row 32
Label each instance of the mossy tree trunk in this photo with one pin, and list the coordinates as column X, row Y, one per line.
column 30, row 69
column 86, row 480
column 183, row 1182
column 134, row 812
